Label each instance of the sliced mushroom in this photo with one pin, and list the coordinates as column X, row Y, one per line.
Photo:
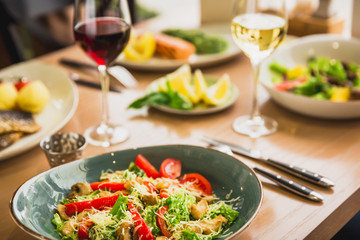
column 198, row 210
column 125, row 231
column 105, row 193
column 213, row 225
column 161, row 238
column 162, row 185
column 79, row 189
column 149, row 199
column 73, row 223
column 206, row 226
column 62, row 211
column 209, row 199
column 69, row 227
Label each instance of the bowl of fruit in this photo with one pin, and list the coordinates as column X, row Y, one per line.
column 318, row 76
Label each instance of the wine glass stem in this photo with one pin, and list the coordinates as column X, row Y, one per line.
column 104, row 79
column 255, row 105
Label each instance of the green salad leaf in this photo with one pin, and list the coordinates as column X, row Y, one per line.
column 188, row 235
column 169, row 98
column 153, row 98
column 120, row 207
column 59, row 224
column 331, row 67
column 179, row 209
column 204, row 43
column 226, row 211
column 150, row 213
column 138, row 172
column 276, row 67
column 313, row 86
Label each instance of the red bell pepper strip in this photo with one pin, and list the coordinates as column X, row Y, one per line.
column 164, row 193
column 111, row 186
column 160, row 219
column 83, row 228
column 98, row 203
column 142, row 163
column 143, row 230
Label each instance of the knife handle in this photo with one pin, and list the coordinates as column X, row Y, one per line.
column 302, row 173
column 95, row 85
column 294, row 187
column 76, row 64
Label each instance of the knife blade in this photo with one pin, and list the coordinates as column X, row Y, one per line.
column 91, row 84
column 288, row 184
column 289, row 168
column 118, row 72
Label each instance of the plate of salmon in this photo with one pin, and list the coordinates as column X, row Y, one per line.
column 170, row 48
column 34, row 108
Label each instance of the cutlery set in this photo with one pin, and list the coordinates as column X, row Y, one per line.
column 288, row 184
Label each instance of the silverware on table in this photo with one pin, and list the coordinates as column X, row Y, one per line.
column 288, row 184
column 118, row 72
column 291, row 169
column 91, row 84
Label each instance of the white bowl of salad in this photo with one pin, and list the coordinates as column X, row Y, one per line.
column 158, row 192
column 317, row 75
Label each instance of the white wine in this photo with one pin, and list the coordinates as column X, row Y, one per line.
column 258, row 34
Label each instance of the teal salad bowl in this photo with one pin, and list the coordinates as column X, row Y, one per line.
column 33, row 204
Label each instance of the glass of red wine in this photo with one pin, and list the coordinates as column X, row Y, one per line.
column 102, row 30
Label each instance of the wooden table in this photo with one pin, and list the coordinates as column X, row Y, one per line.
column 328, row 147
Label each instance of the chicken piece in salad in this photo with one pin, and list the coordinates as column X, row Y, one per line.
column 144, row 203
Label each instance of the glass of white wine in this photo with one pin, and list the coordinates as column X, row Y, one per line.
column 258, row 27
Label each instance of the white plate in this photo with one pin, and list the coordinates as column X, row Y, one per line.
column 62, row 105
column 297, row 52
column 199, row 109
column 160, row 64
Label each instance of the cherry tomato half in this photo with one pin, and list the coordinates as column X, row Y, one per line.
column 199, row 182
column 290, row 84
column 160, row 219
column 170, row 168
column 146, row 166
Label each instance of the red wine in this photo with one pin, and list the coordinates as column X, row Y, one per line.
column 103, row 39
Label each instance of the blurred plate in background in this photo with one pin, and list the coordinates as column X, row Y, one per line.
column 59, row 110
column 298, row 52
column 161, row 64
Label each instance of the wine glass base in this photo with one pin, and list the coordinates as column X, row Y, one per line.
column 105, row 135
column 256, row 127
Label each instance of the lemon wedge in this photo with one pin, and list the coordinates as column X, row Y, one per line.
column 140, row 48
column 218, row 93
column 183, row 71
column 199, row 84
column 179, row 81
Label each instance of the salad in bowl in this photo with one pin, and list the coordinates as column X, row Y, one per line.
column 142, row 203
column 316, row 75
column 181, row 191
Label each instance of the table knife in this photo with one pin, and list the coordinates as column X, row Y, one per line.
column 291, row 169
column 291, row 185
column 118, row 72
column 91, row 84
column 288, row 184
